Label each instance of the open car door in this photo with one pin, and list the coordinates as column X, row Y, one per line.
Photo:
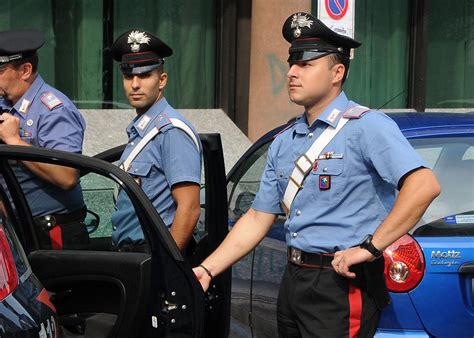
column 103, row 293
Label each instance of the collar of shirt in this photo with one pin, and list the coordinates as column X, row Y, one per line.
column 141, row 124
column 328, row 116
column 29, row 95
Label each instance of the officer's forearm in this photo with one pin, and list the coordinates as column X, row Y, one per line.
column 183, row 225
column 419, row 189
column 63, row 177
column 188, row 209
column 244, row 236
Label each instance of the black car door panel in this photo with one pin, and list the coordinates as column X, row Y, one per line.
column 129, row 294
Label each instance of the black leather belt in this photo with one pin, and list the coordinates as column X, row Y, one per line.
column 46, row 222
column 309, row 259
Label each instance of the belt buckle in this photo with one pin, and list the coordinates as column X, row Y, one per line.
column 295, row 256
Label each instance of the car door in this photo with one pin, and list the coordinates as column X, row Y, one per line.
column 102, row 293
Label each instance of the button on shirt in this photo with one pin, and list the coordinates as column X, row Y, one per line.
column 170, row 158
column 363, row 183
column 60, row 128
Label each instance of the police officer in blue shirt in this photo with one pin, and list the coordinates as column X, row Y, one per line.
column 36, row 114
column 335, row 173
column 163, row 153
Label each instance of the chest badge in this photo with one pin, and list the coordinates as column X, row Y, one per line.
column 324, row 182
column 29, row 123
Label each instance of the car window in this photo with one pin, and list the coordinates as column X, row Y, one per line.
column 243, row 186
column 452, row 161
column 77, row 218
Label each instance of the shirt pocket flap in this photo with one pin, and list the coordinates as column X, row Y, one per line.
column 329, row 167
column 139, row 168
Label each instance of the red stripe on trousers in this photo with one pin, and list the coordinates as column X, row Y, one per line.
column 55, row 234
column 355, row 310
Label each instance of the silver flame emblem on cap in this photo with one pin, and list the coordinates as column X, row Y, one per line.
column 135, row 39
column 299, row 21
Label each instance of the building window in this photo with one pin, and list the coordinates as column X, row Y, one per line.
column 73, row 58
column 450, row 59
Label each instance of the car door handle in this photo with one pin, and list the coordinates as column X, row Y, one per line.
column 467, row 268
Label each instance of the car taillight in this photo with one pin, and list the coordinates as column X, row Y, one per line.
column 404, row 264
column 8, row 274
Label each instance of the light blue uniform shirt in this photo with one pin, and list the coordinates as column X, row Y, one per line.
column 171, row 157
column 48, row 119
column 363, row 183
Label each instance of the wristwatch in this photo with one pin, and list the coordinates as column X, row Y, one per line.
column 367, row 245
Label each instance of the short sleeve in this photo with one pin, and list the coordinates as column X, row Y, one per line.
column 181, row 160
column 385, row 147
column 268, row 199
column 61, row 129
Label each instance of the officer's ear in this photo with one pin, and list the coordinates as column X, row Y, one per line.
column 26, row 70
column 339, row 69
column 163, row 80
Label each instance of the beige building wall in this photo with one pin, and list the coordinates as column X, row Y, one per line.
column 269, row 105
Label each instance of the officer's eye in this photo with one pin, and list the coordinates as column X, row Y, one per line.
column 144, row 75
column 128, row 76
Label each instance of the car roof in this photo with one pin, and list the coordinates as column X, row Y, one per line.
column 434, row 124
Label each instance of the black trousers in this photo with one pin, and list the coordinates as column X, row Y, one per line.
column 318, row 302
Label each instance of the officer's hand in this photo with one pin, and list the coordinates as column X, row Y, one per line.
column 9, row 129
column 202, row 277
column 344, row 259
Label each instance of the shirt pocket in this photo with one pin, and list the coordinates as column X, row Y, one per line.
column 141, row 172
column 331, row 171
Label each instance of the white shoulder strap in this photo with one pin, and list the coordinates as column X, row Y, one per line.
column 151, row 134
column 304, row 163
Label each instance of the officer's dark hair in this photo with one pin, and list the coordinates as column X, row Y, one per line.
column 336, row 58
column 33, row 59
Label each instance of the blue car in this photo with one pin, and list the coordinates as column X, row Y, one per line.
column 429, row 272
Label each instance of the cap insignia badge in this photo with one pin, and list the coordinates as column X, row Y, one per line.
column 299, row 21
column 135, row 39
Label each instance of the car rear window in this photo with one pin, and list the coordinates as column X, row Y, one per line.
column 452, row 161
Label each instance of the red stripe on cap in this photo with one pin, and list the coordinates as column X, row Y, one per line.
column 55, row 235
column 355, row 310
column 43, row 297
column 141, row 60
column 137, row 53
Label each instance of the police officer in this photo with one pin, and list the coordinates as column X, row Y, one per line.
column 163, row 153
column 341, row 203
column 36, row 114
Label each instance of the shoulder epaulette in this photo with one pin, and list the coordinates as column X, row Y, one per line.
column 50, row 100
column 162, row 120
column 355, row 112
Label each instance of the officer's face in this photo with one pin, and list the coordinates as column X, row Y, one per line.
column 144, row 90
column 310, row 82
column 12, row 87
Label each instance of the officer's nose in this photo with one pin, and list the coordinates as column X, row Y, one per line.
column 135, row 82
column 292, row 72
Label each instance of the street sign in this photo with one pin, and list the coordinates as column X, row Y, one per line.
column 338, row 15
